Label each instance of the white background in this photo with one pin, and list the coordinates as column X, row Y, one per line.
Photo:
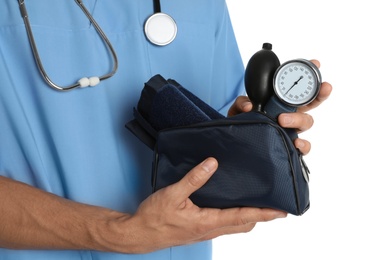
column 349, row 216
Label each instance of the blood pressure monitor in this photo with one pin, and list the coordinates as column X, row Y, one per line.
column 296, row 83
column 274, row 89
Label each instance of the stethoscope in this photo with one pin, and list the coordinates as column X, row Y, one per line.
column 160, row 29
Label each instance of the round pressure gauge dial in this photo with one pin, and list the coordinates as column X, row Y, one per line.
column 297, row 82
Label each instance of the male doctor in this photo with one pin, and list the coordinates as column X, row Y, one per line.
column 74, row 183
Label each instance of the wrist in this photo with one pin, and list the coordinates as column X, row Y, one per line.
column 108, row 233
column 124, row 233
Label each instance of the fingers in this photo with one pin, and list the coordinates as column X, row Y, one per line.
column 241, row 220
column 235, row 217
column 233, row 220
column 303, row 145
column 230, row 230
column 316, row 62
column 169, row 218
column 194, row 180
column 242, row 104
column 325, row 91
column 299, row 121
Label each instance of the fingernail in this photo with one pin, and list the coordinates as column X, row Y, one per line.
column 299, row 144
column 281, row 215
column 245, row 105
column 209, row 165
column 287, row 120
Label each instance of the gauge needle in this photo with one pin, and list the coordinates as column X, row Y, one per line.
column 295, row 83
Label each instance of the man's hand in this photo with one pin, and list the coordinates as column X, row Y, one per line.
column 299, row 120
column 34, row 219
column 303, row 121
column 169, row 218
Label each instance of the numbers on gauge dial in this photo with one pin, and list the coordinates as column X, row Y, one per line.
column 296, row 83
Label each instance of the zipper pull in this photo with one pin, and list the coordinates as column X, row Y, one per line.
column 305, row 169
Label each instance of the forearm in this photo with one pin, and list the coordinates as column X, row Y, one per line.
column 34, row 219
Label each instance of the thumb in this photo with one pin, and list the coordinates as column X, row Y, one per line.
column 195, row 179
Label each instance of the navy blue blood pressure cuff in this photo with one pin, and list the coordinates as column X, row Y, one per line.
column 258, row 163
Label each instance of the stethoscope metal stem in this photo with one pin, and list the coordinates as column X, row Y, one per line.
column 157, row 6
column 37, row 58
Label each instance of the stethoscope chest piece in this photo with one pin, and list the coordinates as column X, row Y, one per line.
column 160, row 29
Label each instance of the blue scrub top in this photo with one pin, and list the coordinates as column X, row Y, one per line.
column 74, row 144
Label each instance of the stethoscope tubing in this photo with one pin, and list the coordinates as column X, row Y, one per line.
column 151, row 29
column 30, row 35
column 105, row 39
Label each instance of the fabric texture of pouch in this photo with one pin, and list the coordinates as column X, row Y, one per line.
column 258, row 163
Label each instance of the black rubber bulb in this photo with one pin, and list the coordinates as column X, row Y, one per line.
column 259, row 75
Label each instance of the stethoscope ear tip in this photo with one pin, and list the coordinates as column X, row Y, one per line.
column 89, row 82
